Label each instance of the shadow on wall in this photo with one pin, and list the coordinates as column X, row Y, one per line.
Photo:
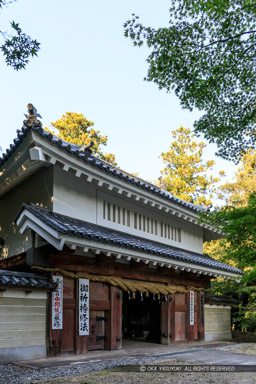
column 12, row 242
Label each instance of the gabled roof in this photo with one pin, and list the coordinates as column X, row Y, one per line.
column 84, row 154
column 24, row 280
column 72, row 231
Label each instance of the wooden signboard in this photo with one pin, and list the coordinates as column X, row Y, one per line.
column 191, row 307
column 57, row 303
column 83, row 318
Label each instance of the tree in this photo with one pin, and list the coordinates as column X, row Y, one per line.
column 185, row 173
column 239, row 225
column 238, row 221
column 207, row 56
column 76, row 129
column 238, row 192
column 17, row 48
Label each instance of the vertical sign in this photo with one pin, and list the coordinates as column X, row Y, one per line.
column 191, row 307
column 83, row 307
column 57, row 303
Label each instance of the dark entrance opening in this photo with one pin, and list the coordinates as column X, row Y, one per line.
column 141, row 317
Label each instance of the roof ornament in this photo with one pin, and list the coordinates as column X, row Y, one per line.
column 31, row 118
column 87, row 150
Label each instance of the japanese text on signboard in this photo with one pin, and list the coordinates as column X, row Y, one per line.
column 191, row 307
column 57, row 303
column 83, row 307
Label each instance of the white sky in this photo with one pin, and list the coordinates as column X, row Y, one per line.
column 86, row 65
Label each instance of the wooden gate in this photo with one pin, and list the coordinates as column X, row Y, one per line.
column 104, row 320
column 181, row 309
column 184, row 330
column 97, row 330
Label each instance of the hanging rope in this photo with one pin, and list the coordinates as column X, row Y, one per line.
column 125, row 284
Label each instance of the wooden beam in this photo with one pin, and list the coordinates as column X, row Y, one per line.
column 135, row 271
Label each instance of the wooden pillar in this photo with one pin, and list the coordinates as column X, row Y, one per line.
column 53, row 335
column 188, row 326
column 80, row 341
column 165, row 316
column 193, row 330
column 113, row 331
column 201, row 315
column 172, row 317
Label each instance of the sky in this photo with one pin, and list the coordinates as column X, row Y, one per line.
column 86, row 65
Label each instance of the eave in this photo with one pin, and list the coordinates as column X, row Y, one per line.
column 26, row 219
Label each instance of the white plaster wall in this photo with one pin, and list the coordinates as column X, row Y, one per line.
column 36, row 189
column 74, row 196
column 22, row 325
column 217, row 322
column 191, row 235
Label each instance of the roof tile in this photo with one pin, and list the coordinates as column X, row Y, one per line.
column 24, row 279
column 94, row 161
column 82, row 229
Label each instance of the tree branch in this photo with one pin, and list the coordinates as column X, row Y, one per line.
column 236, row 61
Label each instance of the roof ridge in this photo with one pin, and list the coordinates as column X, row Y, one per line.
column 75, row 150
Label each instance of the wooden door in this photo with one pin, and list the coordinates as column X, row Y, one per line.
column 180, row 316
column 97, row 330
column 69, row 316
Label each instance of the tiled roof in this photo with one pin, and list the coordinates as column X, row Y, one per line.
column 81, row 229
column 24, row 280
column 220, row 300
column 85, row 155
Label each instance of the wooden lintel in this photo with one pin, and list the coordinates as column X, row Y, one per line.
column 107, row 266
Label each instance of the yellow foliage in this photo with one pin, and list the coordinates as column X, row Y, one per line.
column 185, row 175
column 238, row 192
column 76, row 129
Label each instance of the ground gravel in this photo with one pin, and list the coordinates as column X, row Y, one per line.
column 108, row 372
column 246, row 348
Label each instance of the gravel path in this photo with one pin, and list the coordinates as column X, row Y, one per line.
column 99, row 372
column 246, row 348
